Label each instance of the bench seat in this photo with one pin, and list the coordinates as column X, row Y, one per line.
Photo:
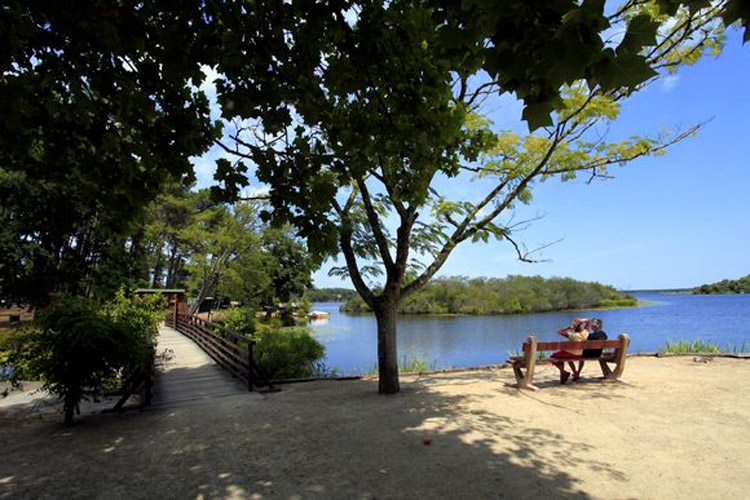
column 607, row 356
column 523, row 366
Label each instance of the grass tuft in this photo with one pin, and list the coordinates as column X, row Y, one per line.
column 413, row 363
column 700, row 347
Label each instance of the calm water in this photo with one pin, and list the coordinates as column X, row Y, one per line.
column 464, row 341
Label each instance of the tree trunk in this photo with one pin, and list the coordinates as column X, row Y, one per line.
column 287, row 319
column 174, row 262
column 70, row 401
column 156, row 280
column 206, row 287
column 385, row 314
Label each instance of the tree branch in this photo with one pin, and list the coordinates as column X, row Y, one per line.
column 377, row 230
column 462, row 233
column 351, row 263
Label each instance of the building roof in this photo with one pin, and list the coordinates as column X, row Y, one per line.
column 160, row 290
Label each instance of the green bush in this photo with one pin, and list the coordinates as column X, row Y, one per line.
column 138, row 314
column 290, row 352
column 280, row 352
column 239, row 319
column 78, row 349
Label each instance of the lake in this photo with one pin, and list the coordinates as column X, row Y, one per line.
column 466, row 341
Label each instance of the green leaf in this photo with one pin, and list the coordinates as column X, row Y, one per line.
column 622, row 70
column 641, row 33
column 538, row 114
column 738, row 11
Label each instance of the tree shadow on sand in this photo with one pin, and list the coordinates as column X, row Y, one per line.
column 323, row 439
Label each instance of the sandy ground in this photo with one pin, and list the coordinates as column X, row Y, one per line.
column 677, row 429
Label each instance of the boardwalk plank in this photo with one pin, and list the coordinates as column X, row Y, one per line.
column 188, row 374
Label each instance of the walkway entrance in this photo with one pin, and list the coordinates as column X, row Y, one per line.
column 185, row 373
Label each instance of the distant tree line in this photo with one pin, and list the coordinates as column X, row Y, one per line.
column 182, row 239
column 331, row 294
column 741, row 285
column 219, row 250
column 514, row 294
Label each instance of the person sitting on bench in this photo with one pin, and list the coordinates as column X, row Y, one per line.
column 576, row 332
column 596, row 334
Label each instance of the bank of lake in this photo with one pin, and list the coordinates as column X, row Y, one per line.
column 465, row 341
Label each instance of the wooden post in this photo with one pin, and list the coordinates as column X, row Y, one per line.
column 621, row 355
column 148, row 372
column 148, row 385
column 530, row 363
column 251, row 366
column 525, row 380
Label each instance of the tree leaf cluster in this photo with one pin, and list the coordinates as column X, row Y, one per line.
column 97, row 116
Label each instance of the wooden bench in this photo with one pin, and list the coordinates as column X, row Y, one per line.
column 523, row 366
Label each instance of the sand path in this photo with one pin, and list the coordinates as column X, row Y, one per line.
column 679, row 429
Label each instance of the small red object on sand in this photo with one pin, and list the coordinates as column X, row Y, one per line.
column 427, row 441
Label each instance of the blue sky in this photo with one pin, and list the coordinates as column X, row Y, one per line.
column 672, row 221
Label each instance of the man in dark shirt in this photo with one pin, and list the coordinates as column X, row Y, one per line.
column 596, row 334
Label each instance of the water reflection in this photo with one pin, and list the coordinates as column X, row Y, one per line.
column 318, row 321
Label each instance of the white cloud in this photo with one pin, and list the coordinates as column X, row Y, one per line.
column 255, row 191
column 505, row 112
column 205, row 167
column 211, row 76
column 669, row 82
column 208, row 87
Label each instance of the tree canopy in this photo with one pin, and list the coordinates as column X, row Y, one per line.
column 97, row 116
column 350, row 112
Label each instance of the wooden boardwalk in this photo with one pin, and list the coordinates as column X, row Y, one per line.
column 185, row 374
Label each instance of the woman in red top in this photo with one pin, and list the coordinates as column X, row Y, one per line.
column 578, row 331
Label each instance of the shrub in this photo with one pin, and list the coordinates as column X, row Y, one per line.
column 239, row 319
column 140, row 315
column 287, row 352
column 78, row 349
column 280, row 352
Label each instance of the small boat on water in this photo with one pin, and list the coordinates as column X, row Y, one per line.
column 318, row 314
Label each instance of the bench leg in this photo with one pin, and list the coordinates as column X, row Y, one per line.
column 525, row 380
column 522, row 381
column 620, row 356
column 522, row 385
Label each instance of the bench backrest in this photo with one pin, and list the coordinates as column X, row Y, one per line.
column 558, row 346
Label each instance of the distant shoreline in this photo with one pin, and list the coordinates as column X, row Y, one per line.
column 640, row 303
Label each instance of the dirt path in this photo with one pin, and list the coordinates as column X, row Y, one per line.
column 679, row 429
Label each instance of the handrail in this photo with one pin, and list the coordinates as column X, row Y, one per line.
column 232, row 351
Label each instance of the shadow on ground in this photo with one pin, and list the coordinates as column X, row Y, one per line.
column 436, row 439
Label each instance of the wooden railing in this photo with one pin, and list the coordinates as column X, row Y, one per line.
column 229, row 349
